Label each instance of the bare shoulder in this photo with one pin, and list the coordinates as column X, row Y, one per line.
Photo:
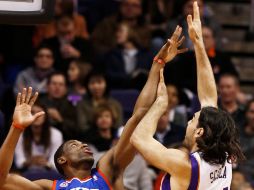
column 45, row 184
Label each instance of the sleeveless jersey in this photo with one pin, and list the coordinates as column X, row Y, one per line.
column 96, row 181
column 204, row 176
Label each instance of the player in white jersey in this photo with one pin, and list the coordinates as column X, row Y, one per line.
column 211, row 135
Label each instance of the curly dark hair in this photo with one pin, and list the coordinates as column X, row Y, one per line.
column 220, row 140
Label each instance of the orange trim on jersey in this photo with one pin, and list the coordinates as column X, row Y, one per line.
column 54, row 185
column 105, row 178
column 159, row 180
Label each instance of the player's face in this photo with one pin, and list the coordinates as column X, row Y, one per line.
column 192, row 132
column 78, row 153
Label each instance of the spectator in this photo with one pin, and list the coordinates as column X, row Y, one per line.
column 228, row 87
column 77, row 73
column 176, row 116
column 97, row 93
column 36, row 148
column 36, row 76
column 66, row 45
column 220, row 62
column 168, row 133
column 61, row 112
column 158, row 12
column 62, row 7
column 130, row 12
column 247, row 142
column 127, row 65
column 137, row 175
column 186, row 9
column 239, row 181
column 103, row 132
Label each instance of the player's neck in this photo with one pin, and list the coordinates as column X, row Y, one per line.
column 78, row 173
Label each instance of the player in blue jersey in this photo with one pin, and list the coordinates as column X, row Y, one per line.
column 211, row 136
column 74, row 159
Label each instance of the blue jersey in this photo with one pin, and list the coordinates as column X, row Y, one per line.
column 96, row 181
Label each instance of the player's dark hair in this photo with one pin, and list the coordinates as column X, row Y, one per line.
column 58, row 154
column 220, row 140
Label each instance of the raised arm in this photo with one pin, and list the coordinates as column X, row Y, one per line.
column 207, row 92
column 124, row 152
column 22, row 118
column 171, row 160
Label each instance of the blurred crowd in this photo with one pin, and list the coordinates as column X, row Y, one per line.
column 89, row 65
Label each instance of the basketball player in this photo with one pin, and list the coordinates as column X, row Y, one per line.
column 74, row 159
column 210, row 135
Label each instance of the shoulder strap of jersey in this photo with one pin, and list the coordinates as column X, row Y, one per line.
column 195, row 176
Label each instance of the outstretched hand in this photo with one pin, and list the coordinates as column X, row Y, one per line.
column 170, row 49
column 162, row 94
column 22, row 114
column 194, row 25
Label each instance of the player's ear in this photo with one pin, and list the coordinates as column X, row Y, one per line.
column 199, row 132
column 61, row 160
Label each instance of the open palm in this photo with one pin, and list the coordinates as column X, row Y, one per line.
column 194, row 25
column 22, row 114
column 170, row 49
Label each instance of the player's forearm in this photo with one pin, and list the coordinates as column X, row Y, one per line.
column 7, row 153
column 147, row 126
column 124, row 151
column 207, row 92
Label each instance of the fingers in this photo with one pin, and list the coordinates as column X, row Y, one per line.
column 177, row 33
column 23, row 96
column 39, row 114
column 189, row 21
column 18, row 99
column 161, row 76
column 31, row 102
column 182, row 50
column 29, row 94
column 180, row 42
column 196, row 11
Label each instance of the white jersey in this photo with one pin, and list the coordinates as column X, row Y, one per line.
column 213, row 177
column 204, row 176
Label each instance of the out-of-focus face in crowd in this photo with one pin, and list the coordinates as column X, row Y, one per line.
column 172, row 96
column 228, row 88
column 73, row 72
column 97, row 86
column 131, row 9
column 250, row 114
column 122, row 34
column 188, row 7
column 65, row 30
column 208, row 38
column 44, row 59
column 57, row 86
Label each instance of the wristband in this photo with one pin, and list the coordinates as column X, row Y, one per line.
column 159, row 60
column 17, row 126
